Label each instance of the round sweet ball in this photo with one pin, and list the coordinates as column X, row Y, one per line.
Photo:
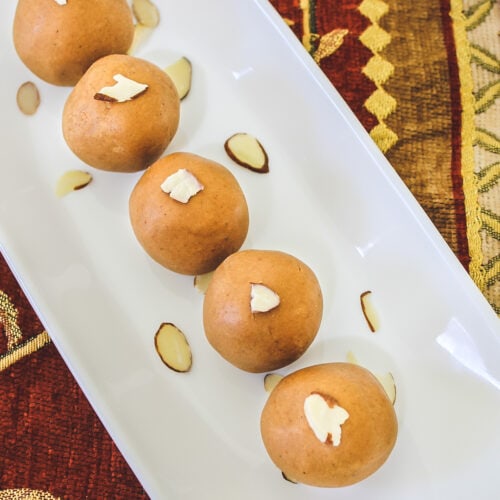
column 122, row 114
column 58, row 43
column 188, row 213
column 329, row 425
column 262, row 309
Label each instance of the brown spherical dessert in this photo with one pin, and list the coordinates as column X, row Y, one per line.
column 329, row 425
column 58, row 43
column 122, row 114
column 189, row 213
column 262, row 309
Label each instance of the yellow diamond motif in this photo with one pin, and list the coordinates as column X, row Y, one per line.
column 375, row 38
column 373, row 9
column 378, row 70
column 381, row 104
column 383, row 136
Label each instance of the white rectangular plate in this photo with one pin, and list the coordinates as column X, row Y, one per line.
column 330, row 198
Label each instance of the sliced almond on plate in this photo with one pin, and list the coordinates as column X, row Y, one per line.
column 201, row 281
column 172, row 346
column 387, row 381
column 181, row 72
column 286, row 478
column 141, row 34
column 72, row 180
column 369, row 311
column 271, row 380
column 28, row 98
column 146, row 13
column 351, row 358
column 248, row 152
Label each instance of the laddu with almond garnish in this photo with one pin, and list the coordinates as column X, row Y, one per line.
column 58, row 40
column 329, row 425
column 122, row 114
column 262, row 309
column 188, row 213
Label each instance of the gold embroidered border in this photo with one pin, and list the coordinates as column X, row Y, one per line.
column 470, row 181
column 319, row 46
column 25, row 349
column 307, row 36
column 378, row 70
column 26, row 494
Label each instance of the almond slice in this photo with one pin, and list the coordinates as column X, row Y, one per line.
column 262, row 298
column 248, row 152
column 180, row 72
column 271, row 380
column 123, row 90
column 325, row 417
column 388, row 383
column 141, row 34
column 181, row 185
column 351, row 358
column 146, row 13
column 28, row 98
column 385, row 379
column 369, row 311
column 172, row 346
column 201, row 281
column 72, row 180
column 286, row 478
